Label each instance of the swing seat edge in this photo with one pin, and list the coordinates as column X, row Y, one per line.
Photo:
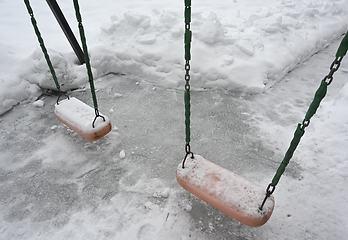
column 228, row 192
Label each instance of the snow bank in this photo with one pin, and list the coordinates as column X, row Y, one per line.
column 69, row 73
column 245, row 52
column 13, row 89
column 237, row 46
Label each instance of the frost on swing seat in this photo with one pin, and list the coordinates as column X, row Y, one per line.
column 225, row 190
column 79, row 117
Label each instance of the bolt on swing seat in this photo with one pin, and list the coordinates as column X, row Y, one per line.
column 78, row 116
column 228, row 192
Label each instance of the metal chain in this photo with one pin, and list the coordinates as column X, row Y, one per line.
column 87, row 60
column 319, row 95
column 187, row 64
column 187, row 42
column 97, row 114
column 42, row 45
column 333, row 68
column 187, row 75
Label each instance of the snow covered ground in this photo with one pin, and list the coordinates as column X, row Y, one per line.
column 56, row 185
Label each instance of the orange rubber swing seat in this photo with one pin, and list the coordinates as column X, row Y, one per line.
column 225, row 190
column 78, row 116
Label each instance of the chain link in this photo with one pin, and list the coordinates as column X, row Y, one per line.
column 187, row 64
column 269, row 191
column 333, row 68
column 187, row 75
column 305, row 123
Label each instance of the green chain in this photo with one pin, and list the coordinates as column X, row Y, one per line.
column 300, row 130
column 187, row 97
column 85, row 50
column 42, row 44
column 188, row 33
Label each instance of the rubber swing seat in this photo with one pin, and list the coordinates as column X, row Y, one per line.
column 79, row 117
column 228, row 192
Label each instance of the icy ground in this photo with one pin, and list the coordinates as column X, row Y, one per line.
column 56, row 185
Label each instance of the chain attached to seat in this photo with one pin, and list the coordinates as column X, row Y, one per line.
column 300, row 130
column 187, row 97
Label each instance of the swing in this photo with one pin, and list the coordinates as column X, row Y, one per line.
column 223, row 189
column 72, row 112
column 228, row 192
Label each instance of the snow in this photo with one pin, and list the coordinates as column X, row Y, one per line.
column 122, row 154
column 254, row 73
column 39, row 103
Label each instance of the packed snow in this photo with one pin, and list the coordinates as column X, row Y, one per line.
column 255, row 68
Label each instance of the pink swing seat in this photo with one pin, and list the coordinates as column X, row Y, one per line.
column 79, row 117
column 225, row 190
